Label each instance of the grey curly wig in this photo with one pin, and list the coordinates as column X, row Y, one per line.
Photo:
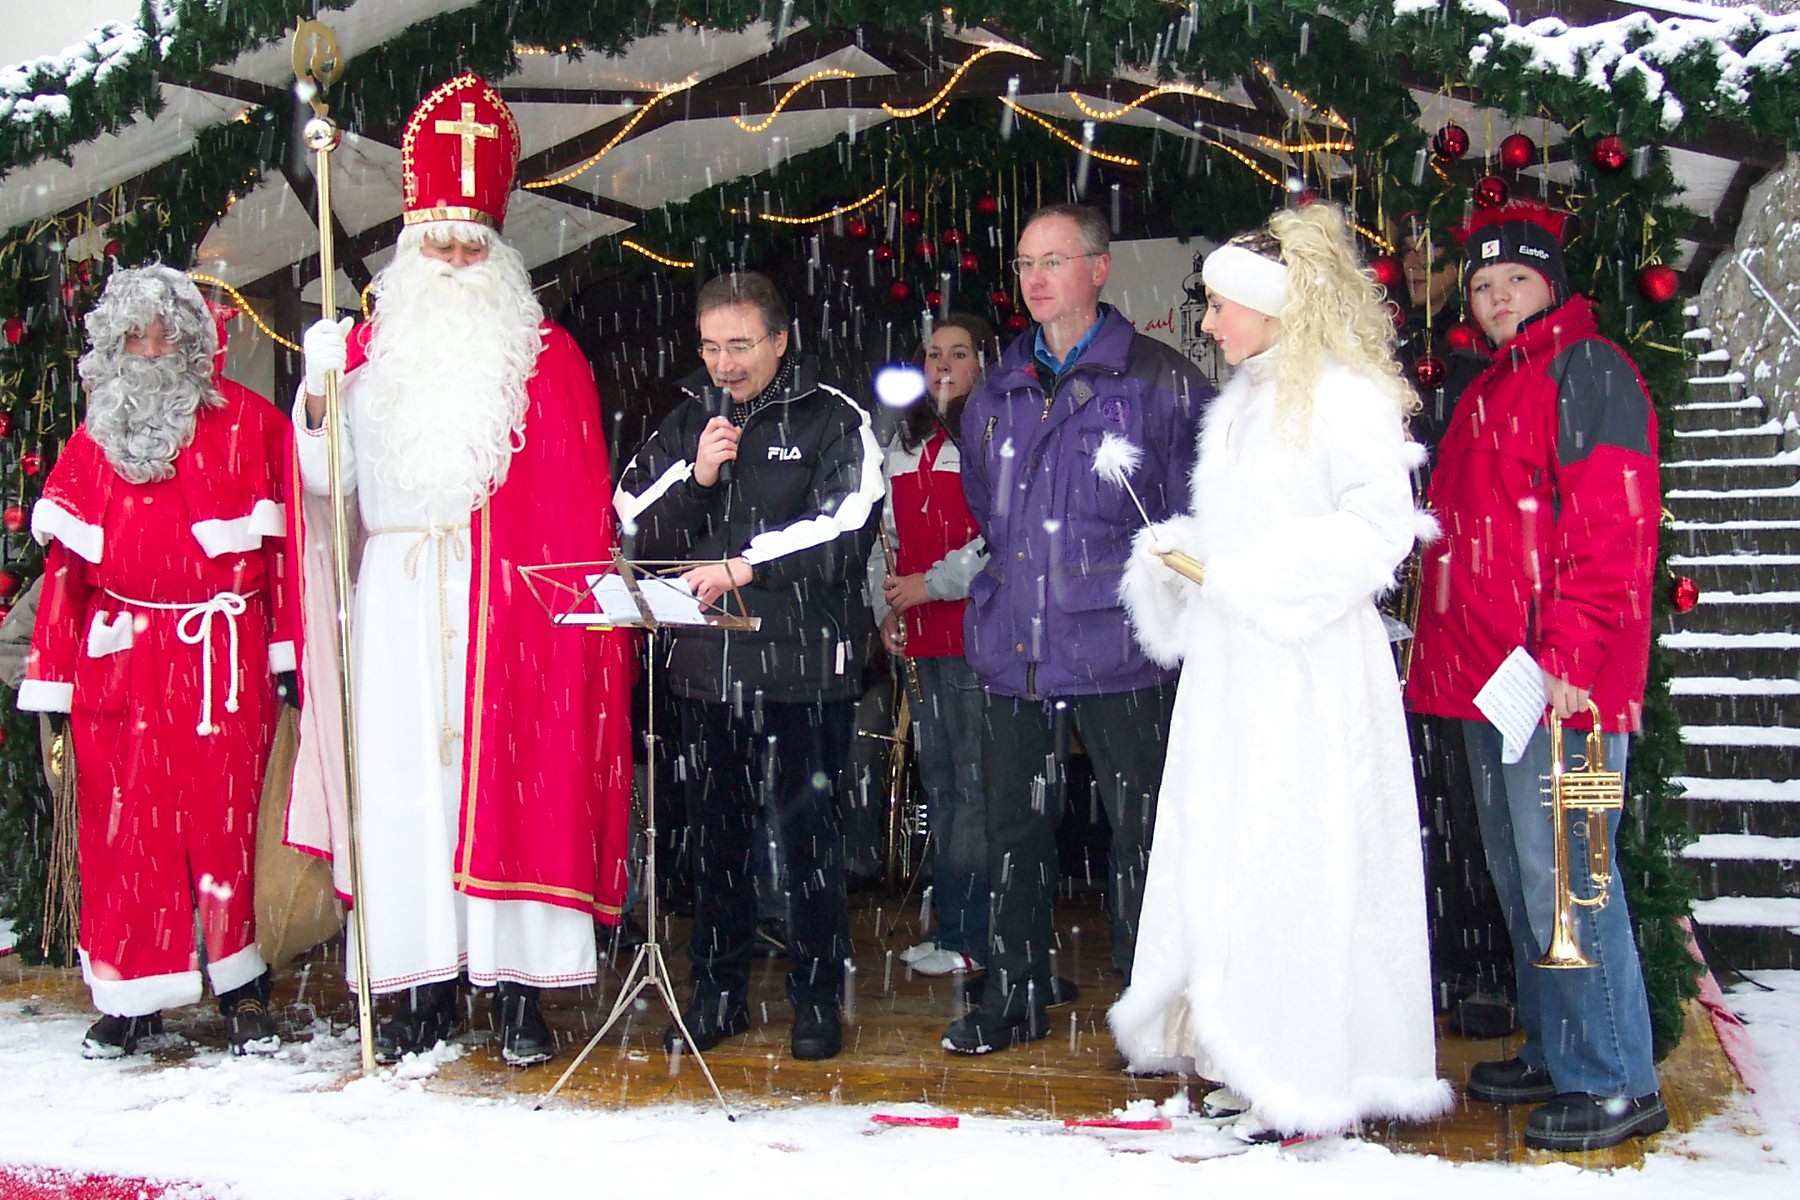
column 141, row 411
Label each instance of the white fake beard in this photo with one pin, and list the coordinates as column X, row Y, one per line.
column 449, row 358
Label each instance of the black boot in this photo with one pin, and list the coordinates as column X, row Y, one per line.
column 818, row 1032
column 1510, row 1082
column 248, row 1027
column 1002, row 1020
column 708, row 1022
column 115, row 1037
column 427, row 1016
column 1575, row 1121
column 524, row 1038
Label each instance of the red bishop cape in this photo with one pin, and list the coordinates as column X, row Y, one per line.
column 546, row 745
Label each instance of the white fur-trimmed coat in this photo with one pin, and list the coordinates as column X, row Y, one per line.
column 1282, row 947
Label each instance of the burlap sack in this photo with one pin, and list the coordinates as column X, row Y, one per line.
column 296, row 908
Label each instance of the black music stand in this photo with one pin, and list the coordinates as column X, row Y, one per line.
column 568, row 604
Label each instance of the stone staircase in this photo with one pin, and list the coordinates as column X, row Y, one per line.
column 1734, row 495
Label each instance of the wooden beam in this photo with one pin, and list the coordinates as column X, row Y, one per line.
column 1723, row 225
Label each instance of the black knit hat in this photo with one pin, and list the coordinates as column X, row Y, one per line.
column 1521, row 232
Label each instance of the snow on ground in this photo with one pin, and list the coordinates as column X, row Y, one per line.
column 303, row 1127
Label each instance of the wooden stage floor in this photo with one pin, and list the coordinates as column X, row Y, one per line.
column 892, row 1053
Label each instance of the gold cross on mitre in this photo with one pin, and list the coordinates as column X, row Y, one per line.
column 468, row 129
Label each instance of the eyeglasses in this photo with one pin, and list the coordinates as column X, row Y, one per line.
column 1050, row 264
column 733, row 349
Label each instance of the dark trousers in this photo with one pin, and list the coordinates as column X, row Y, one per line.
column 1470, row 950
column 787, row 763
column 1024, row 746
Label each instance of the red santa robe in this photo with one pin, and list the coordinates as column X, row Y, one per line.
column 544, row 763
column 158, row 632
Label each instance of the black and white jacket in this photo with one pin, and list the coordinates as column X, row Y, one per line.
column 802, row 507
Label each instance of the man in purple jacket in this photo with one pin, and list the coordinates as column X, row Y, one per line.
column 1046, row 631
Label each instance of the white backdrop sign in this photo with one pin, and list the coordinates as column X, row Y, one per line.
column 1156, row 284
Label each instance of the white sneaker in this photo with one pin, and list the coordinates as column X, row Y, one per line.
column 913, row 954
column 944, row 962
column 1222, row 1106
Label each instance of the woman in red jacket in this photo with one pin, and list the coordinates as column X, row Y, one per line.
column 1546, row 486
column 919, row 606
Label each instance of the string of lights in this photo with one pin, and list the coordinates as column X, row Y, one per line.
column 661, row 95
column 1118, row 160
column 815, row 77
column 1165, row 89
column 1325, row 114
column 839, row 211
column 243, row 305
column 955, row 76
column 654, row 257
column 1247, row 161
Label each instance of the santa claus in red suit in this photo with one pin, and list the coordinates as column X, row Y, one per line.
column 493, row 746
column 155, row 643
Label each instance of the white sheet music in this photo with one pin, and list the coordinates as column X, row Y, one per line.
column 671, row 601
column 1513, row 700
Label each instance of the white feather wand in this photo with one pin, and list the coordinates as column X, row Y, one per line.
column 1114, row 462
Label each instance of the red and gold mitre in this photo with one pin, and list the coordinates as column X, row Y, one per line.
column 458, row 155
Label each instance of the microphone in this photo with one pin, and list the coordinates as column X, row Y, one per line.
column 723, row 409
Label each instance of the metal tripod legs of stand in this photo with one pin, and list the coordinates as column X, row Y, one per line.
column 649, row 969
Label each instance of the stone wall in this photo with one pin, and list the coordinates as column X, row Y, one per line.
column 1743, row 322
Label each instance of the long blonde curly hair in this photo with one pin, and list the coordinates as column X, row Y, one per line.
column 1335, row 310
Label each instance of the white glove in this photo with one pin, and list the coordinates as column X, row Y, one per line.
column 326, row 349
column 1151, row 545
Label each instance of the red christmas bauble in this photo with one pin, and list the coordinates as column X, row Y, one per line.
column 15, row 331
column 1462, row 336
column 970, row 262
column 1305, row 198
column 1001, row 299
column 3, row 611
column 70, row 290
column 933, row 298
column 1386, row 270
column 31, row 462
column 1430, row 371
column 114, row 249
column 912, row 218
column 6, row 424
column 1658, row 283
column 899, row 291
column 858, row 229
column 1609, row 153
column 1451, row 142
column 926, row 249
column 884, row 253
column 9, row 585
column 987, row 206
column 1684, row 594
column 1491, row 192
column 1017, row 323
column 1517, row 151
column 953, row 236
column 14, row 518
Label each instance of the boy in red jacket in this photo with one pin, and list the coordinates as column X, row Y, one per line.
column 1547, row 489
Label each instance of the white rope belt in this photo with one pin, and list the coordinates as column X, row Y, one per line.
column 447, row 544
column 194, row 628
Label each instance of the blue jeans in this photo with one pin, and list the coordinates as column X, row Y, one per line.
column 948, row 727
column 1589, row 1026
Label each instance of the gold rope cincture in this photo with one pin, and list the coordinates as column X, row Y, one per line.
column 447, row 544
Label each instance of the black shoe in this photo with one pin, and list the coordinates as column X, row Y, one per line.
column 1062, row 991
column 624, row 938
column 771, row 938
column 1577, row 1121
column 818, row 1032
column 525, row 1040
column 427, row 1016
column 248, row 1027
column 115, row 1037
column 1510, row 1082
column 984, row 1030
column 1483, row 1017
column 708, row 1024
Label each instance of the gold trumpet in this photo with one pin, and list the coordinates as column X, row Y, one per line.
column 1595, row 791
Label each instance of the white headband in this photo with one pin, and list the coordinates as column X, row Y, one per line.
column 1246, row 277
